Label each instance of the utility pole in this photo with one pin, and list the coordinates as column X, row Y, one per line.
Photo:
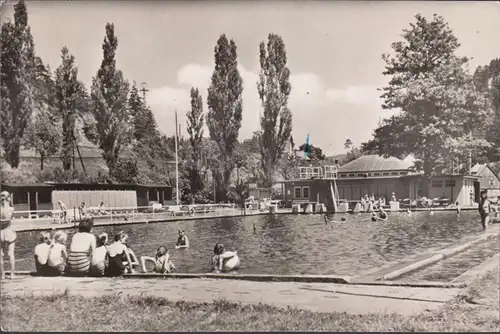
column 144, row 90
column 176, row 162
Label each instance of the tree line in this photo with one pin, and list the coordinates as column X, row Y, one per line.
column 43, row 110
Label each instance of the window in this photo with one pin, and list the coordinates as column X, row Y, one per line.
column 403, row 173
column 437, row 184
column 352, row 175
column 343, row 175
column 394, row 173
column 305, row 192
column 376, row 174
column 297, row 192
column 449, row 183
column 386, row 174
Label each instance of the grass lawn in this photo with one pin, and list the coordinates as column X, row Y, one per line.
column 477, row 309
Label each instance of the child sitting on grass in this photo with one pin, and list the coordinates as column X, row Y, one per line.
column 162, row 262
column 42, row 253
column 98, row 263
column 56, row 264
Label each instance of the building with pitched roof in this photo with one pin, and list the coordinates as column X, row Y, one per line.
column 488, row 179
column 377, row 176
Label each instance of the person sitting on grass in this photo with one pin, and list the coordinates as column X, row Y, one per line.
column 162, row 262
column 81, row 250
column 223, row 261
column 58, row 255
column 182, row 240
column 42, row 253
column 98, row 264
column 119, row 256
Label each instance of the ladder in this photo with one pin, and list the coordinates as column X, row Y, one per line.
column 334, row 197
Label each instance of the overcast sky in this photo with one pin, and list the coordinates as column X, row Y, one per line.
column 334, row 52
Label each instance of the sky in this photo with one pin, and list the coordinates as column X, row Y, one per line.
column 334, row 51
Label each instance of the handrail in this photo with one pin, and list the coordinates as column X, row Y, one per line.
column 164, row 207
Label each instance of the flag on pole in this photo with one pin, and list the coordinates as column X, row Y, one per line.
column 307, row 150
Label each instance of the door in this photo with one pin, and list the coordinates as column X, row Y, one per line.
column 33, row 200
column 477, row 191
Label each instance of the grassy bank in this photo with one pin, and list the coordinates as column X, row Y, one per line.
column 476, row 310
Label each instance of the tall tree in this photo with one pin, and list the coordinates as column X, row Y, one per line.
column 195, row 131
column 110, row 108
column 274, row 89
column 225, row 107
column 68, row 91
column 17, row 82
column 145, row 126
column 435, row 93
column 487, row 80
column 43, row 134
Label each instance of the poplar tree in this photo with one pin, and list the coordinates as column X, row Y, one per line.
column 274, row 89
column 109, row 95
column 195, row 131
column 225, row 107
column 17, row 82
column 68, row 89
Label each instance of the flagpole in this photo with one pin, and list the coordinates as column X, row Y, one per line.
column 176, row 162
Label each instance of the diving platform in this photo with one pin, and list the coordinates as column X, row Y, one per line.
column 323, row 172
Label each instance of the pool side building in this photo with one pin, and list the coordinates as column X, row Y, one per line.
column 377, row 176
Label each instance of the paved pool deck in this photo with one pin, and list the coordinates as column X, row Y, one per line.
column 317, row 297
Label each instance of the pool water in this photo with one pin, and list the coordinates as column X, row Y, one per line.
column 289, row 244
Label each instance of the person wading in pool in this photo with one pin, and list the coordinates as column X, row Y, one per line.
column 182, row 240
column 484, row 209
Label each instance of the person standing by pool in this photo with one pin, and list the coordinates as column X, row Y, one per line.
column 484, row 209
column 7, row 234
column 182, row 240
column 457, row 206
column 83, row 245
column 64, row 212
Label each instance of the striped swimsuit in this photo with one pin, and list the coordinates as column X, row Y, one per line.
column 78, row 263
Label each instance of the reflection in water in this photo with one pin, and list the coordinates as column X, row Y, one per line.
column 290, row 244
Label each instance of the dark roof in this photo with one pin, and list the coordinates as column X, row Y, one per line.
column 154, row 185
column 30, row 185
column 369, row 163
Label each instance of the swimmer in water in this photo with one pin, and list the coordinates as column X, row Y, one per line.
column 408, row 211
column 343, row 219
column 254, row 228
column 457, row 206
column 382, row 214
column 431, row 212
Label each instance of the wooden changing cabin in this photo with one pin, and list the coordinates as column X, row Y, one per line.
column 29, row 198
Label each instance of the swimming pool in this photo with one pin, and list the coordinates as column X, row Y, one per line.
column 290, row 244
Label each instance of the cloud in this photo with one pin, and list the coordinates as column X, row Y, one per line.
column 325, row 112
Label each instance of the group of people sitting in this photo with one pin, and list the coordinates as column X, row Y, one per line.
column 91, row 255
